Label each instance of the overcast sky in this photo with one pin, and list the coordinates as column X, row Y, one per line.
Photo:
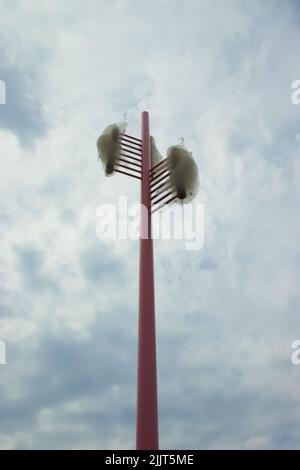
column 218, row 74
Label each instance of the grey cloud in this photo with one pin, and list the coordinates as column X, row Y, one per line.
column 64, row 369
column 6, row 310
column 32, row 267
column 22, row 114
column 208, row 263
column 99, row 265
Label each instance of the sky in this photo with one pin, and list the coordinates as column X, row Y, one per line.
column 219, row 75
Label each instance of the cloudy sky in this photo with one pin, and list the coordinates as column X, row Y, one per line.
column 218, row 74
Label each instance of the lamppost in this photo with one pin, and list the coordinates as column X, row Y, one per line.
column 147, row 416
column 160, row 185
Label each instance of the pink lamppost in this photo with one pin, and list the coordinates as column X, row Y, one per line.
column 147, row 416
column 134, row 159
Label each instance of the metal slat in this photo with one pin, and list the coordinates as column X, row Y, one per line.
column 128, row 174
column 130, row 151
column 165, row 160
column 164, row 204
column 130, row 156
column 154, row 178
column 130, row 137
column 130, row 163
column 163, row 189
column 136, row 144
column 127, row 168
column 153, row 188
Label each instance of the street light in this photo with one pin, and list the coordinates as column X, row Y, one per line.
column 169, row 179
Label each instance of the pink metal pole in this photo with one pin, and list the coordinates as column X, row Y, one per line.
column 147, row 419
